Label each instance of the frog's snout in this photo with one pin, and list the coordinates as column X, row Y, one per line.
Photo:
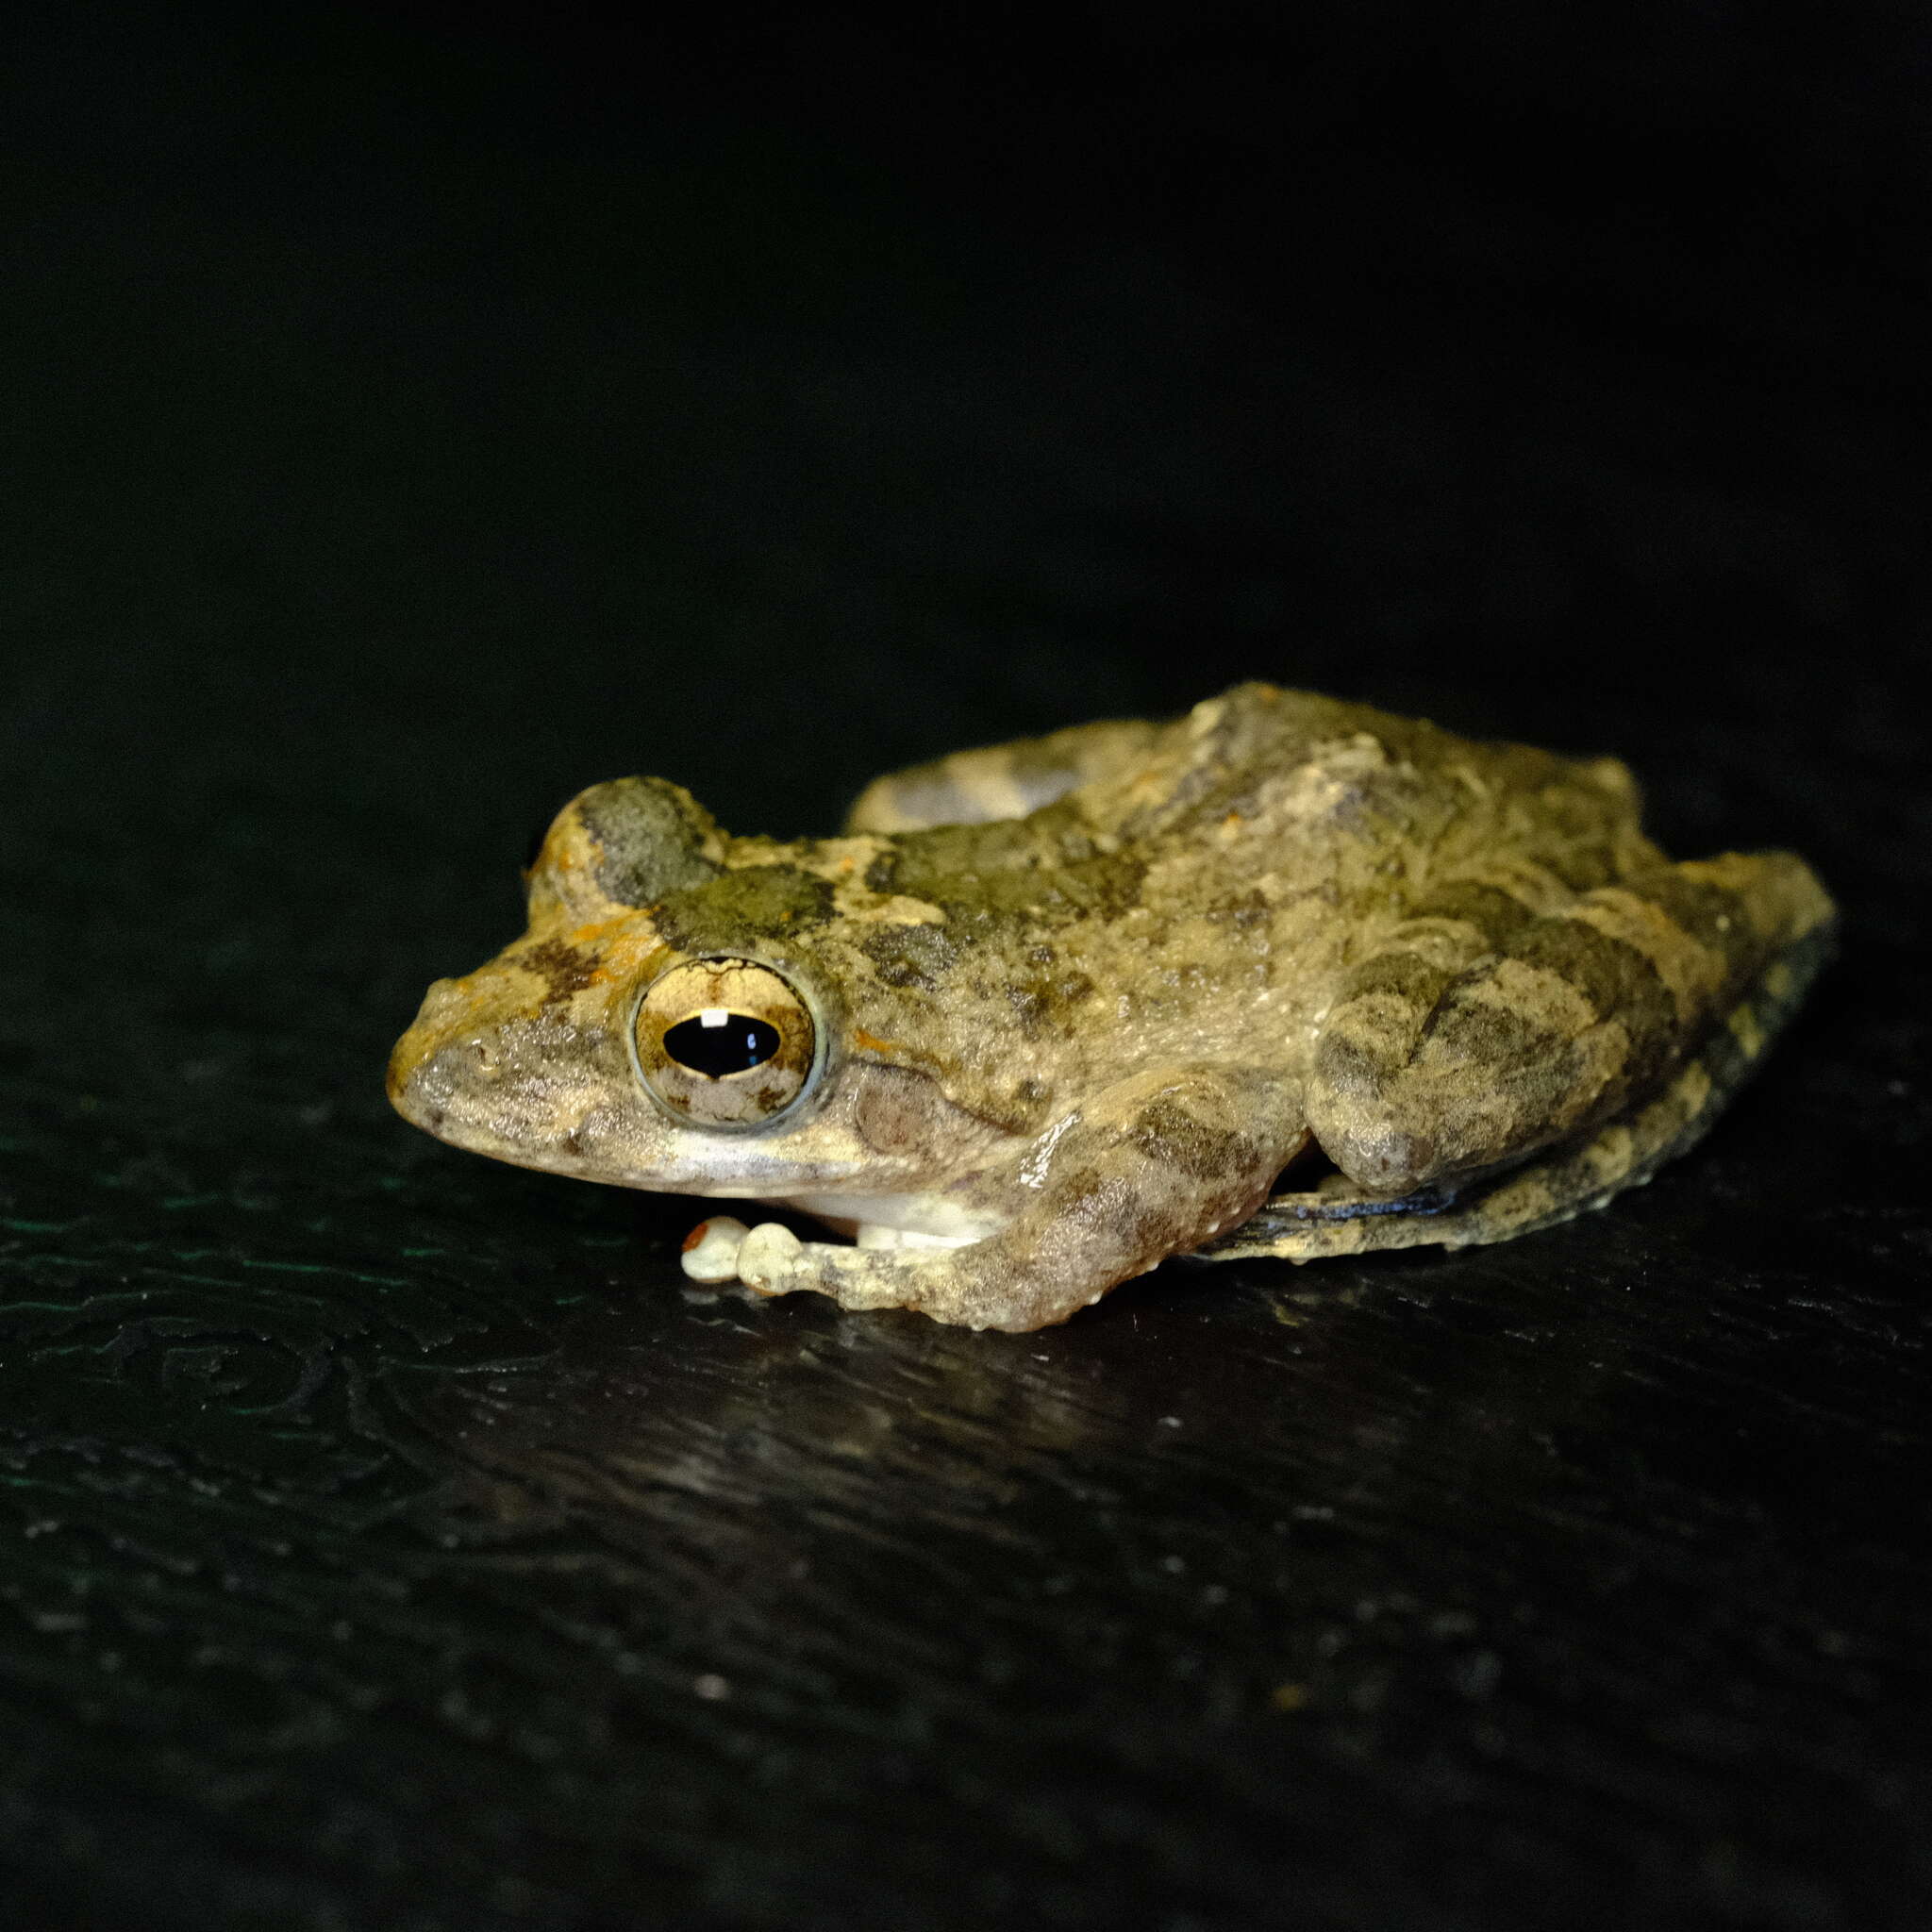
column 451, row 1070
column 492, row 1064
column 466, row 1085
column 443, row 1007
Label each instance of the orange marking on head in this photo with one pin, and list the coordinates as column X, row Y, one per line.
column 871, row 1041
column 695, row 1236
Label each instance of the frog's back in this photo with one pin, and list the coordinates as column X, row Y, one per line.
column 1281, row 780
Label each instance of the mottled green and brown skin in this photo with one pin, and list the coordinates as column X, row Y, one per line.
column 1083, row 999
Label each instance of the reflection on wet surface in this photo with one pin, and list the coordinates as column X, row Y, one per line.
column 466, row 1530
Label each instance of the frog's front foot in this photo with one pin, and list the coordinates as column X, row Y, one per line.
column 723, row 1249
column 1154, row 1167
column 770, row 1260
column 711, row 1249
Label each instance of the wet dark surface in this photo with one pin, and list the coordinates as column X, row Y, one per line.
column 408, row 431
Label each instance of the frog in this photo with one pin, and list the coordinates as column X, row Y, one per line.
column 1286, row 978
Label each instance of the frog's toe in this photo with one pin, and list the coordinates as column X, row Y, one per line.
column 767, row 1257
column 711, row 1249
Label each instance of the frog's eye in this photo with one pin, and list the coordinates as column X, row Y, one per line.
column 723, row 1042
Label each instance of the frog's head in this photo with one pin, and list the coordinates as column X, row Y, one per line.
column 668, row 1022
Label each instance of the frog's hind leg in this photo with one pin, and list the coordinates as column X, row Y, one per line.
column 1340, row 1218
column 1000, row 781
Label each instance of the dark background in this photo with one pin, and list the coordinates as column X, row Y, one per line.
column 407, row 423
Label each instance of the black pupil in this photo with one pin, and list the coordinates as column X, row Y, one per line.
column 735, row 1046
